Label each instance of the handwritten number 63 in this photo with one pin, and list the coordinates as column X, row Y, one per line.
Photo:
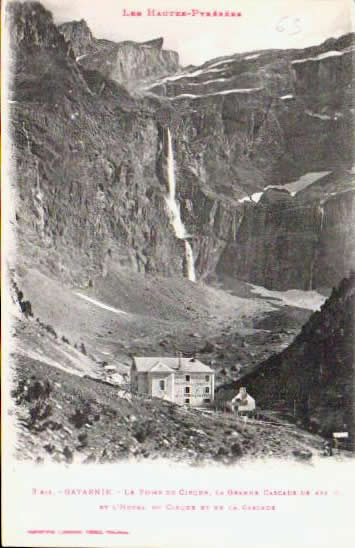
column 289, row 25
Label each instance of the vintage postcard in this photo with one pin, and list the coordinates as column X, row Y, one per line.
column 178, row 273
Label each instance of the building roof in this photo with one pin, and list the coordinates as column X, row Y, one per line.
column 188, row 365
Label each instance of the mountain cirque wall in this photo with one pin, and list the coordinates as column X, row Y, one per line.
column 96, row 195
column 276, row 116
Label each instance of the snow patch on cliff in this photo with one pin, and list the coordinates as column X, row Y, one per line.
column 293, row 187
column 254, row 56
column 224, row 92
column 320, row 116
column 187, row 75
column 228, row 60
column 100, row 304
column 310, row 300
column 333, row 53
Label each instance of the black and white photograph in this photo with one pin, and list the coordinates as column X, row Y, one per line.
column 178, row 234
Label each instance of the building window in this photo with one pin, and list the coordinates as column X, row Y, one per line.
column 207, row 390
column 207, row 378
column 162, row 385
column 206, row 400
column 187, row 378
column 187, row 390
column 187, row 400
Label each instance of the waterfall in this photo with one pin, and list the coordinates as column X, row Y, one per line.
column 190, row 266
column 174, row 211
column 173, row 205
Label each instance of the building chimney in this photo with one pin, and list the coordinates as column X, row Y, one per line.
column 179, row 360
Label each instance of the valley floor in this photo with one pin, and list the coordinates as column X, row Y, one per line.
column 126, row 313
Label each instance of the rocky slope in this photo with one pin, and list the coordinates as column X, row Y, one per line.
column 66, row 417
column 314, row 376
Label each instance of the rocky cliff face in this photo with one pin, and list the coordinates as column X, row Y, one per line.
column 299, row 241
column 31, row 26
column 126, row 62
column 314, row 376
column 282, row 113
column 95, row 196
column 78, row 34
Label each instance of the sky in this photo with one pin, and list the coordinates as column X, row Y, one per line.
column 263, row 24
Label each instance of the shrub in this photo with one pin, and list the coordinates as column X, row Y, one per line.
column 40, row 411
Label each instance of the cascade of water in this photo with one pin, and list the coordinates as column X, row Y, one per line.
column 173, row 205
column 190, row 262
column 171, row 168
column 174, row 211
